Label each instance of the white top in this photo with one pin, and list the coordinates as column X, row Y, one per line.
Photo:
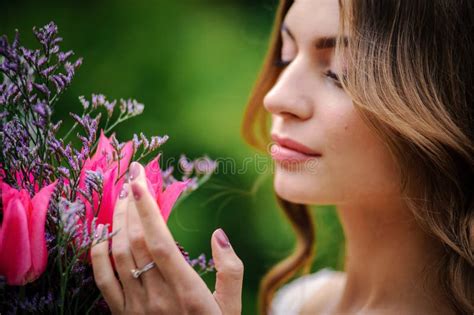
column 291, row 297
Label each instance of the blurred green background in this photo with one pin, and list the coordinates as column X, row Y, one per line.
column 193, row 65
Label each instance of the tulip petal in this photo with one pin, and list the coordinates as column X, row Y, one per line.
column 127, row 153
column 109, row 196
column 153, row 174
column 167, row 199
column 39, row 252
column 15, row 251
column 104, row 147
column 8, row 193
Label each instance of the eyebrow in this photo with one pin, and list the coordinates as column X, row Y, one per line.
column 321, row 43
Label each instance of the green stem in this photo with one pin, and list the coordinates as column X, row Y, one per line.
column 185, row 195
column 73, row 127
column 93, row 303
column 119, row 120
column 62, row 286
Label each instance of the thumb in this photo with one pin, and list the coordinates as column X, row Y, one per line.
column 230, row 273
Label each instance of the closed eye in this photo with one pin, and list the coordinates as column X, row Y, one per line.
column 279, row 63
column 335, row 77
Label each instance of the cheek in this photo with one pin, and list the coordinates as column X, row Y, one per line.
column 357, row 159
column 356, row 166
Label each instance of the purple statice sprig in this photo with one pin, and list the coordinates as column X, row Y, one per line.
column 198, row 171
column 143, row 147
column 33, row 80
column 33, row 73
column 33, row 155
column 199, row 264
column 94, row 183
column 74, row 239
column 70, row 220
column 127, row 109
column 39, row 303
column 89, row 123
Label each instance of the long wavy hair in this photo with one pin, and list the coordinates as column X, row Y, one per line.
column 410, row 76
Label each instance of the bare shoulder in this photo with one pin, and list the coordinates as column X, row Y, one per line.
column 324, row 300
column 326, row 297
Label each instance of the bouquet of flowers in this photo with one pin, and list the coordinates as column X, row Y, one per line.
column 55, row 190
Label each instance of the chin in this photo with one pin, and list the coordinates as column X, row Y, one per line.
column 295, row 186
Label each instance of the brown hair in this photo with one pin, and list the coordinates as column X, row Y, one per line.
column 416, row 92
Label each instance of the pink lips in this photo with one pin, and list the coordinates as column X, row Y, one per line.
column 289, row 150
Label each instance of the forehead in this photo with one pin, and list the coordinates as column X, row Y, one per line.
column 313, row 18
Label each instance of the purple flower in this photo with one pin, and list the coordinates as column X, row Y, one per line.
column 33, row 155
column 42, row 88
column 186, row 165
column 157, row 141
column 110, row 106
column 131, row 107
column 98, row 100
column 63, row 56
column 205, row 165
column 85, row 103
column 70, row 214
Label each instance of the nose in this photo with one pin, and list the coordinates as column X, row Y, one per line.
column 289, row 97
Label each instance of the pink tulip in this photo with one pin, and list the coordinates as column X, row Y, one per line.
column 103, row 162
column 167, row 198
column 19, row 178
column 23, row 252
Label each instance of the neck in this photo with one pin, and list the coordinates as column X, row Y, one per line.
column 388, row 261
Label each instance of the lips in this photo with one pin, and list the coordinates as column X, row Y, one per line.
column 294, row 146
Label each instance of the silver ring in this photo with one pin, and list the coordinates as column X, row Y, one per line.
column 137, row 272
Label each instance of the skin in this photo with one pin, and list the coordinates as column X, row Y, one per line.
column 173, row 286
column 385, row 250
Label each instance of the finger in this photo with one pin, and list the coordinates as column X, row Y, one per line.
column 121, row 247
column 104, row 275
column 230, row 274
column 158, row 238
column 152, row 278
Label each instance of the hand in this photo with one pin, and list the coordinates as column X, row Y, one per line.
column 172, row 286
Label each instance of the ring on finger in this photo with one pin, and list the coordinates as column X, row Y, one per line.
column 137, row 272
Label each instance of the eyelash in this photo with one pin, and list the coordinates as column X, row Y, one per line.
column 279, row 63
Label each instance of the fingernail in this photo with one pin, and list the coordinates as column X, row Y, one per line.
column 222, row 239
column 136, row 192
column 124, row 191
column 134, row 170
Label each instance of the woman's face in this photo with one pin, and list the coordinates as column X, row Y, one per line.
column 309, row 107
